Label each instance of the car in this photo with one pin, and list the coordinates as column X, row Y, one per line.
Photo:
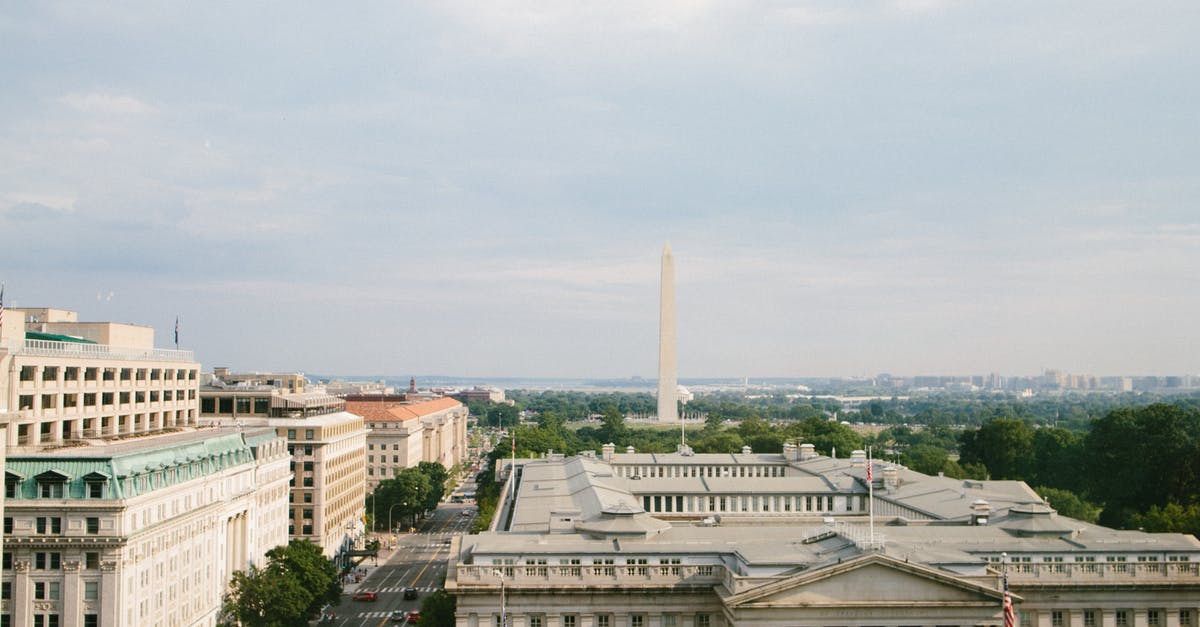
column 364, row 595
column 465, row 512
column 410, row 594
column 413, row 616
column 397, row 616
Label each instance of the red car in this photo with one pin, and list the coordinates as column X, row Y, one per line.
column 364, row 595
column 413, row 617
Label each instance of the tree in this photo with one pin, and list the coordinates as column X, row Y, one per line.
column 260, row 597
column 408, row 493
column 437, row 475
column 1171, row 518
column 437, row 610
column 1003, row 445
column 613, row 429
column 296, row 583
column 1069, row 504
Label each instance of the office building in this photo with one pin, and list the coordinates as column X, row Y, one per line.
column 144, row 531
column 70, row 381
column 326, row 443
column 683, row 540
column 401, row 435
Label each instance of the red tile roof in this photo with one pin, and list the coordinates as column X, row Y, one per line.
column 386, row 411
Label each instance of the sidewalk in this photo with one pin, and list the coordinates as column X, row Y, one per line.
column 368, row 566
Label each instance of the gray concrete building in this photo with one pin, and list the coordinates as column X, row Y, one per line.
column 749, row 540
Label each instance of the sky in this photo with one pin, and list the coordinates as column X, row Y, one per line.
column 484, row 189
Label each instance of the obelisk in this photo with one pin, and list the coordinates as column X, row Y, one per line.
column 668, row 411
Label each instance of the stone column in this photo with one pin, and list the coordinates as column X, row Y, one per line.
column 72, row 596
column 1041, row 618
column 553, row 619
column 22, row 594
column 1172, row 617
column 110, row 593
column 587, row 620
column 1139, row 618
column 1075, row 618
column 1108, row 618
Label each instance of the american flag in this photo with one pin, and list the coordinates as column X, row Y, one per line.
column 1010, row 617
column 176, row 331
column 1, row 305
column 869, row 464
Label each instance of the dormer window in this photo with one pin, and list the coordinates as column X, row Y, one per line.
column 52, row 484
column 12, row 484
column 95, row 483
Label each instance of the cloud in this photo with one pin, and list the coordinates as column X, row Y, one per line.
column 105, row 103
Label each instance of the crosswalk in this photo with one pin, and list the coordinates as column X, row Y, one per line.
column 374, row 614
column 422, row 590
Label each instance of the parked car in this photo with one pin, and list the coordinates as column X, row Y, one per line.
column 410, row 594
column 364, row 595
column 413, row 617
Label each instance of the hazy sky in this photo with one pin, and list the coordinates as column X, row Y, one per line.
column 484, row 189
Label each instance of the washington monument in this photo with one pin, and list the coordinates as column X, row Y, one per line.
column 668, row 411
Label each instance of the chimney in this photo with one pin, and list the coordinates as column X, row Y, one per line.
column 790, row 452
column 607, row 451
column 220, row 372
column 746, row 450
column 858, row 459
column 891, row 478
column 807, row 452
column 630, row 450
column 980, row 511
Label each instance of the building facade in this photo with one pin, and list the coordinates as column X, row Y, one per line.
column 401, row 435
column 326, row 443
column 70, row 381
column 684, row 540
column 144, row 531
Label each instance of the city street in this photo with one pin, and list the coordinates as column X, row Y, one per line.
column 418, row 561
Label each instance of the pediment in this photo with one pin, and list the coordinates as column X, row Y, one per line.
column 869, row 580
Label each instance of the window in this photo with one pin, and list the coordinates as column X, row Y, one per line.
column 703, row 620
column 91, row 620
column 308, row 434
column 1152, row 618
column 91, row 590
column 50, row 489
column 8, row 525
column 49, row 373
column 308, row 497
column 636, row 620
column 93, row 525
column 46, row 590
column 569, row 620
column 603, row 620
column 91, row 561
column 89, row 374
column 1056, row 618
column 6, row 590
column 49, row 524
column 28, row 373
column 291, row 434
column 1089, row 618
column 95, row 489
column 6, row 561
column 535, row 620
column 1122, row 618
column 668, row 620
column 47, row 561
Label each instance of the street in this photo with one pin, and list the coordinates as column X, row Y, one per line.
column 419, row 561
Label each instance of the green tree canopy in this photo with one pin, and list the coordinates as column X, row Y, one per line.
column 296, row 582
column 1002, row 445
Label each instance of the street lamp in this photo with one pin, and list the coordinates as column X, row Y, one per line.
column 503, row 614
column 391, row 529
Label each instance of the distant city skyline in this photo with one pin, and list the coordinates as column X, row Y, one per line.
column 908, row 186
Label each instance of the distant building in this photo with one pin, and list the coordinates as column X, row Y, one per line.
column 401, row 435
column 326, row 443
column 479, row 394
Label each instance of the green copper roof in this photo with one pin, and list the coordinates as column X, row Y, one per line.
column 131, row 470
column 55, row 337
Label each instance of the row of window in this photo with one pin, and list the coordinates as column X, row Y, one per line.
column 700, row 471
column 72, row 400
column 51, row 620
column 606, row 620
column 52, row 525
column 235, row 406
column 742, row 503
column 383, row 447
column 1123, row 617
column 51, row 560
column 92, row 373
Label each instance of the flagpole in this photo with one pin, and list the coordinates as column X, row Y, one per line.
column 871, row 495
